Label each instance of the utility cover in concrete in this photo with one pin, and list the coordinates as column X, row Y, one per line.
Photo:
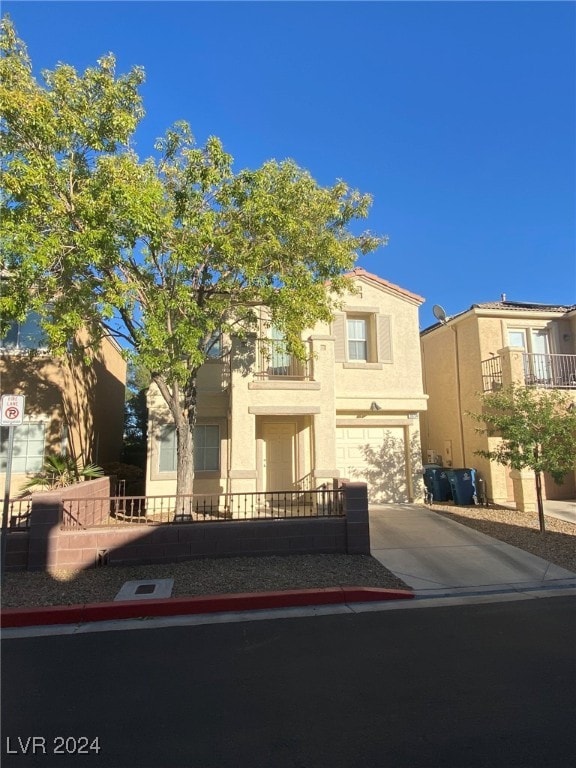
column 145, row 589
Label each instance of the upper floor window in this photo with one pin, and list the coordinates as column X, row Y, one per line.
column 533, row 340
column 25, row 335
column 279, row 361
column 362, row 338
column 206, row 448
column 214, row 348
column 357, row 328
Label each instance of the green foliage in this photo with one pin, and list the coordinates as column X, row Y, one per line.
column 537, row 428
column 136, row 416
column 60, row 471
column 537, row 431
column 159, row 253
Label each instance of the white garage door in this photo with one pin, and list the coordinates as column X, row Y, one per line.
column 376, row 456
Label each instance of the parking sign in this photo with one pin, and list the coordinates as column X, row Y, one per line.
column 11, row 410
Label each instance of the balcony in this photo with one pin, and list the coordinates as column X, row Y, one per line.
column 551, row 371
column 274, row 362
column 537, row 370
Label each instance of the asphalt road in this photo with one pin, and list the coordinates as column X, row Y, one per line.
column 489, row 685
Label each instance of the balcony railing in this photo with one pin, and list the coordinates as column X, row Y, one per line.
column 539, row 370
column 492, row 374
column 551, row 371
column 274, row 362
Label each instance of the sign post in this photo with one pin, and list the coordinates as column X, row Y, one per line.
column 11, row 415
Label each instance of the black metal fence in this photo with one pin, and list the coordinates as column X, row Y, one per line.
column 550, row 371
column 161, row 510
column 492, row 374
column 540, row 370
column 19, row 514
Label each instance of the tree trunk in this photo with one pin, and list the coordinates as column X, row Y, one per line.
column 538, row 477
column 185, row 445
column 183, row 408
column 184, row 462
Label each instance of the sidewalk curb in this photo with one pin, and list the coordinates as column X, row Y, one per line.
column 180, row 606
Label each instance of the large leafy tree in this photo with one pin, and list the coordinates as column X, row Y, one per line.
column 161, row 253
column 537, row 431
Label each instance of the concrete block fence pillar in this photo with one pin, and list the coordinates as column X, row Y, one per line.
column 357, row 520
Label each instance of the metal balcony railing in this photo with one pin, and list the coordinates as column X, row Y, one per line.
column 492, row 374
column 540, row 370
column 274, row 362
column 551, row 371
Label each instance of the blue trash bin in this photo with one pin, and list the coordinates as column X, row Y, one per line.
column 463, row 484
column 437, row 483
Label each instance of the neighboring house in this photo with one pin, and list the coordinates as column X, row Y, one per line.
column 489, row 346
column 267, row 422
column 73, row 406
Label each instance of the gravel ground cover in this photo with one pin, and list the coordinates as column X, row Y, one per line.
column 521, row 529
column 262, row 574
column 26, row 589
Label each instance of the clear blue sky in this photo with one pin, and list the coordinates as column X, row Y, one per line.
column 458, row 117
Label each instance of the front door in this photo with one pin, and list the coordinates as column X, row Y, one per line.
column 279, row 455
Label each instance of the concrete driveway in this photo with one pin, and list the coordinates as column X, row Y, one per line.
column 437, row 556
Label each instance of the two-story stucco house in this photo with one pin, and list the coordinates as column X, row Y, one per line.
column 491, row 345
column 270, row 423
column 73, row 406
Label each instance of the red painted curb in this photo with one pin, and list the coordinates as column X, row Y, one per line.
column 181, row 606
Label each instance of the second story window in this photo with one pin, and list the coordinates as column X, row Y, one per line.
column 538, row 365
column 362, row 338
column 25, row 336
column 357, row 328
column 531, row 339
column 214, row 349
column 280, row 359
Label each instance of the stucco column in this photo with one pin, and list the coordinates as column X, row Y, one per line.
column 524, row 489
column 324, row 431
column 242, row 449
column 512, row 359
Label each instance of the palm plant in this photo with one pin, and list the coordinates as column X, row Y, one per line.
column 60, row 471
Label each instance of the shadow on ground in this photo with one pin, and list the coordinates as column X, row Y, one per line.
column 554, row 546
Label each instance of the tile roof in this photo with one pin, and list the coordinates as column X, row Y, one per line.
column 361, row 272
column 514, row 306
column 523, row 306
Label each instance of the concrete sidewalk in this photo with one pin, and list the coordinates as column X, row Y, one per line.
column 438, row 557
column 435, row 556
column 561, row 510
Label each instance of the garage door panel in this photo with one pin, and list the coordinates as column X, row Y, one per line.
column 377, row 457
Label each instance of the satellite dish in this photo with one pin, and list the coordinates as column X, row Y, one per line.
column 439, row 313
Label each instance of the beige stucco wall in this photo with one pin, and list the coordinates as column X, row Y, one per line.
column 81, row 402
column 398, row 383
column 247, row 402
column 452, row 373
column 213, row 402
